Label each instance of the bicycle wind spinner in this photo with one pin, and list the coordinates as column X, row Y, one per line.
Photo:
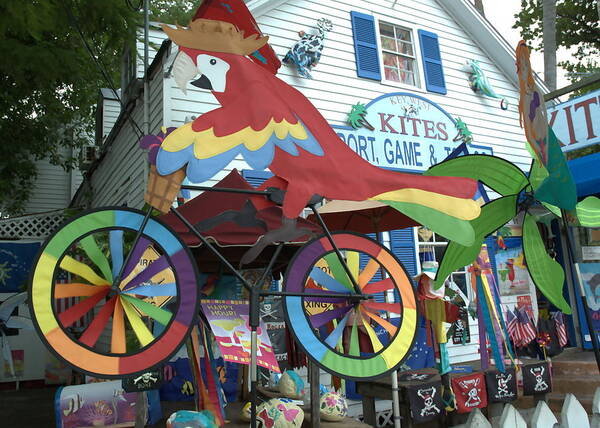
column 367, row 291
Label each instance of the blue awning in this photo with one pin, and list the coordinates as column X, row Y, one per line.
column 586, row 173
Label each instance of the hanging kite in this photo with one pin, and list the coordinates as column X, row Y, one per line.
column 306, row 53
column 558, row 188
column 272, row 125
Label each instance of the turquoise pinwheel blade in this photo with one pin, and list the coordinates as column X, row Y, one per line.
column 558, row 188
column 493, row 215
column 498, row 174
column 546, row 273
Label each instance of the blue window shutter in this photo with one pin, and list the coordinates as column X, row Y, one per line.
column 365, row 46
column 363, row 260
column 255, row 177
column 402, row 243
column 432, row 62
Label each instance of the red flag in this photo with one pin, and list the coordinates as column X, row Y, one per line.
column 236, row 12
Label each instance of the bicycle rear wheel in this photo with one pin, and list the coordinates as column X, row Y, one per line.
column 355, row 334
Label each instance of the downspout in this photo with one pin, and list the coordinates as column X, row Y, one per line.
column 146, row 101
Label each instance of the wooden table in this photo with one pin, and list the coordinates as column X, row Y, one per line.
column 234, row 411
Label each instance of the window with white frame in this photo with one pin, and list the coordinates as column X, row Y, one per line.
column 398, row 54
column 431, row 248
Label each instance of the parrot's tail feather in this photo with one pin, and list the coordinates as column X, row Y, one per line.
column 458, row 187
column 461, row 208
column 450, row 227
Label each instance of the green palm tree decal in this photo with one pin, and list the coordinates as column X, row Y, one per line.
column 357, row 117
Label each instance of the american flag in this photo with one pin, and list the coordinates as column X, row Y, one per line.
column 528, row 331
column 561, row 330
column 512, row 327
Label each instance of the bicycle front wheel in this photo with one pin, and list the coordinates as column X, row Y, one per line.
column 104, row 315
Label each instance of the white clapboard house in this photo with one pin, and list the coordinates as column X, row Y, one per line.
column 411, row 54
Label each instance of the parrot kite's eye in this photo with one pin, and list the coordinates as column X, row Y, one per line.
column 213, row 61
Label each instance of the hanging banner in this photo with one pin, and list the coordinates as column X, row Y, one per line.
column 425, row 401
column 590, row 276
column 469, row 392
column 461, row 333
column 575, row 122
column 513, row 277
column 536, row 379
column 402, row 131
column 229, row 322
column 272, row 315
column 16, row 259
column 501, row 387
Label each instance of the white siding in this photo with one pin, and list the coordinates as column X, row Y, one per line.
column 110, row 112
column 120, row 177
column 53, row 186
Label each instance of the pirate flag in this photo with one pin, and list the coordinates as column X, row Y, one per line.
column 147, row 381
column 469, row 392
column 415, row 376
column 425, row 401
column 501, row 387
column 536, row 379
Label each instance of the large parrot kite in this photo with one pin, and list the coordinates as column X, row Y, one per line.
column 272, row 125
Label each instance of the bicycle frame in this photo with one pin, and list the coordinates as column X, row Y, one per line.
column 254, row 289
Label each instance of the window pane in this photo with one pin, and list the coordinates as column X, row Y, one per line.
column 406, row 48
column 391, row 74
column 405, row 63
column 461, row 281
column 388, row 44
column 403, row 34
column 390, row 60
column 386, row 30
column 407, row 77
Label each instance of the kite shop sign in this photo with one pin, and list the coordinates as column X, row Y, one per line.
column 410, row 133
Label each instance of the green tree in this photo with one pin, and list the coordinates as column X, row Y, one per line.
column 50, row 81
column 577, row 27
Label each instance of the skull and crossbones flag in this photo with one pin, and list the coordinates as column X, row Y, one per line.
column 501, row 387
column 536, row 379
column 470, row 392
column 425, row 401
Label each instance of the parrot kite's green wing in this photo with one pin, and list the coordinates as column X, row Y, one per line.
column 493, row 215
column 588, row 212
column 546, row 273
column 498, row 174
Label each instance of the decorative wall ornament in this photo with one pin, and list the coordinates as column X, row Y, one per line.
column 463, row 134
column 305, row 54
column 357, row 117
column 481, row 85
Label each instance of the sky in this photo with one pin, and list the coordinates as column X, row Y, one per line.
column 501, row 15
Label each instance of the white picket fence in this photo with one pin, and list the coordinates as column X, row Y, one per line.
column 573, row 415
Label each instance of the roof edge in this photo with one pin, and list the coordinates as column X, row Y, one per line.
column 487, row 37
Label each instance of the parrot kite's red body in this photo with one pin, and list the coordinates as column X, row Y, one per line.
column 261, row 114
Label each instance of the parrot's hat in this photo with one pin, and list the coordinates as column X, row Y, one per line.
column 214, row 36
